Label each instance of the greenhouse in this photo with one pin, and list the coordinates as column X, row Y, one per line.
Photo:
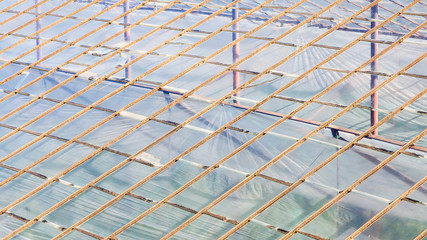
column 213, row 119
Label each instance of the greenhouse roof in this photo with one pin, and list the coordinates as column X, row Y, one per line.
column 213, row 119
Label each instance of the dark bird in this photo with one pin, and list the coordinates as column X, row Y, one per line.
column 336, row 134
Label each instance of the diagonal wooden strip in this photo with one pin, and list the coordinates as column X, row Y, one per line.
column 6, row 9
column 218, row 31
column 176, row 158
column 75, row 116
column 66, row 46
column 213, row 15
column 116, row 115
column 181, row 155
column 121, row 68
column 249, row 178
column 142, row 198
column 94, row 104
column 80, row 92
column 422, row 235
column 397, row 200
column 391, row 170
column 87, row 109
column 23, row 219
column 371, row 172
column 302, row 179
column 44, row 28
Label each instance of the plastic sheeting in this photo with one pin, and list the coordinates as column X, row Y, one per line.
column 405, row 221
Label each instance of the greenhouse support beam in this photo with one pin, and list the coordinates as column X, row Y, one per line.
column 203, row 32
column 308, row 12
column 236, row 52
column 389, row 207
column 38, row 27
column 374, row 68
column 12, row 6
column 271, row 113
column 365, row 177
column 347, row 29
column 35, row 20
column 207, row 171
column 127, row 35
column 146, row 163
column 130, row 115
column 332, row 157
column 148, row 200
column 219, row 101
column 16, row 231
column 82, row 72
column 20, row 13
column 302, row 140
column 421, row 235
column 146, row 73
column 126, row 20
column 52, row 224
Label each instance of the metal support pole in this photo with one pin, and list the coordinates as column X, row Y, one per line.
column 127, row 36
column 374, row 68
column 235, row 35
column 38, row 27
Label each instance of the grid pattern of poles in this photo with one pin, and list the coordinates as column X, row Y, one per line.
column 363, row 17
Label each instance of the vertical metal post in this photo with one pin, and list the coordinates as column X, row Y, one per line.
column 38, row 27
column 374, row 68
column 235, row 35
column 127, row 36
